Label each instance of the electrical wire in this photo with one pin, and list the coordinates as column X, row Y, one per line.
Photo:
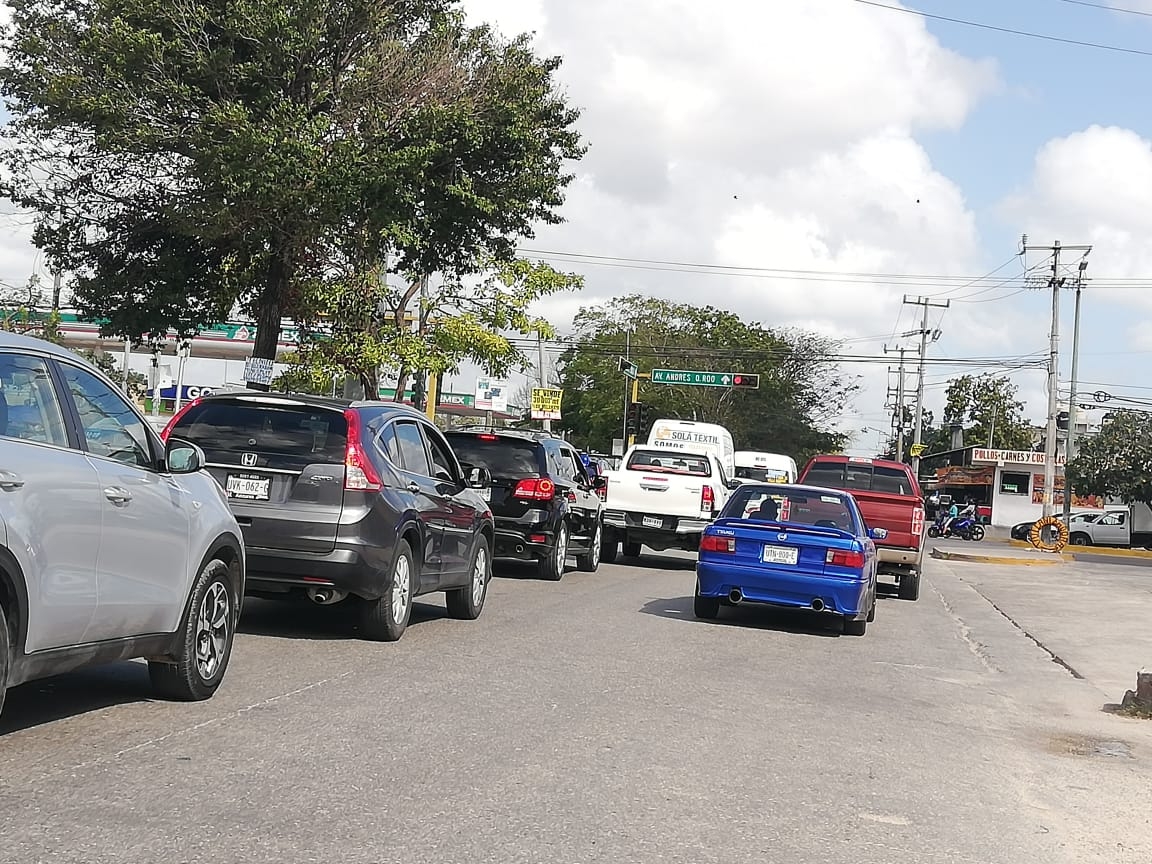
column 1027, row 33
column 1109, row 8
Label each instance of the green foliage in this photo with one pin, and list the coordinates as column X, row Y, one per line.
column 1117, row 461
column 190, row 158
column 979, row 404
column 357, row 324
column 801, row 388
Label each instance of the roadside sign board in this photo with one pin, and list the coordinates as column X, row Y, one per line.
column 546, row 403
column 258, row 370
column 705, row 379
column 628, row 368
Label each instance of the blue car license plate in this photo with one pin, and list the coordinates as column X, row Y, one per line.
column 780, row 555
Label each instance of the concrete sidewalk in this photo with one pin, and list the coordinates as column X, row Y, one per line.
column 1094, row 618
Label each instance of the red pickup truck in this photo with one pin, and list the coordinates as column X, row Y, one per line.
column 889, row 497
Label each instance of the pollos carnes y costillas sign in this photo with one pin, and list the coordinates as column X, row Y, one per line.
column 1011, row 457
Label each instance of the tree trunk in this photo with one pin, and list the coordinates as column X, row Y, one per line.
column 370, row 381
column 268, row 314
column 401, row 384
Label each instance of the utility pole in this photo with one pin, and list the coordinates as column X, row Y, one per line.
column 542, row 373
column 1070, row 446
column 1055, row 283
column 627, row 388
column 898, row 415
column 918, row 429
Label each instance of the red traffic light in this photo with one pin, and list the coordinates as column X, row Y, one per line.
column 742, row 380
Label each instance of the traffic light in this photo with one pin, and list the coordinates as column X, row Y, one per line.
column 742, row 379
column 637, row 418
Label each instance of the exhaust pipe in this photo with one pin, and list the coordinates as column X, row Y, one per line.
column 817, row 605
column 326, row 596
column 735, row 597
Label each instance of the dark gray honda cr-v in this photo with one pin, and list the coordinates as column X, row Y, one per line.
column 337, row 500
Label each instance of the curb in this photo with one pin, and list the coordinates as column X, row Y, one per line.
column 1093, row 550
column 1050, row 561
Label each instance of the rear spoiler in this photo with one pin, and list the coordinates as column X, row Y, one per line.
column 791, row 528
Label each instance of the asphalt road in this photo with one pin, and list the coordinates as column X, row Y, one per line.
column 593, row 720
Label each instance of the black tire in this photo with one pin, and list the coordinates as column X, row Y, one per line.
column 610, row 548
column 590, row 560
column 976, row 533
column 706, row 608
column 631, row 550
column 933, row 531
column 209, row 624
column 551, row 566
column 5, row 656
column 855, row 627
column 466, row 604
column 381, row 619
column 909, row 586
column 872, row 610
column 1079, row 539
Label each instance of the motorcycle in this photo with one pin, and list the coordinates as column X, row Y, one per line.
column 964, row 527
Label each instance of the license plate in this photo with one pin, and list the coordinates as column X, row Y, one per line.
column 780, row 555
column 653, row 522
column 248, row 487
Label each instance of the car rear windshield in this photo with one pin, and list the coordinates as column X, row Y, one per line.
column 788, row 504
column 858, row 475
column 762, row 475
column 502, row 456
column 669, row 463
column 242, row 427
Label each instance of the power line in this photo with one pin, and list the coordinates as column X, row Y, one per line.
column 1027, row 33
column 1109, row 8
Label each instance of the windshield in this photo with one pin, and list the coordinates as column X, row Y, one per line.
column 272, row 430
column 791, row 505
column 762, row 475
column 503, row 457
column 859, row 475
column 663, row 462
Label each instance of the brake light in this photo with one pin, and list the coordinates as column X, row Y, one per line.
column 486, row 437
column 840, row 558
column 917, row 521
column 535, row 489
column 176, row 418
column 716, row 543
column 359, row 473
column 707, row 500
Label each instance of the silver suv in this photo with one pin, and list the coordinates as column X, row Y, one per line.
column 112, row 545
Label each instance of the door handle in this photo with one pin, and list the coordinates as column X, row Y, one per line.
column 10, row 480
column 117, row 495
column 413, row 487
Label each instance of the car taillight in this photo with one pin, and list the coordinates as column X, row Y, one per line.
column 359, row 472
column 707, row 500
column 840, row 558
column 176, row 418
column 535, row 489
column 917, row 521
column 486, row 437
column 715, row 543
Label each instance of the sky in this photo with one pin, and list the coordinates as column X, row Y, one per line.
column 803, row 140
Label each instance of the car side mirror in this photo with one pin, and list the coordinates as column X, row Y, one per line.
column 735, row 483
column 878, row 533
column 479, row 478
column 183, row 457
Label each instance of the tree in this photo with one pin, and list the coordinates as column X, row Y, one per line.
column 801, row 388
column 1116, row 462
column 358, row 324
column 984, row 406
column 187, row 158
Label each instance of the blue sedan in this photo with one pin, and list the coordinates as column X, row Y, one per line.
column 798, row 547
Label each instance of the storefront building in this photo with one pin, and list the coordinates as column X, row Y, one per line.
column 1017, row 486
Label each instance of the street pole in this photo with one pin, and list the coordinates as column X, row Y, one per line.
column 1070, row 447
column 627, row 387
column 918, row 430
column 1055, row 282
column 898, row 414
column 542, row 373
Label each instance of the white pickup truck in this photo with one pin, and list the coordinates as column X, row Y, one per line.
column 662, row 499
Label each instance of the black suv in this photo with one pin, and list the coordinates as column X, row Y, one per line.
column 545, row 504
column 339, row 499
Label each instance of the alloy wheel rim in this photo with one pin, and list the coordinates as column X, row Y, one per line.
column 561, row 550
column 401, row 588
column 480, row 576
column 212, row 622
